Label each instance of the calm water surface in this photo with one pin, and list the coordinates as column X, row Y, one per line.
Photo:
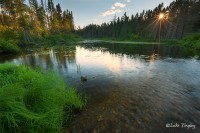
column 128, row 90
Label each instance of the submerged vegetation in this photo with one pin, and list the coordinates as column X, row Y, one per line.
column 34, row 101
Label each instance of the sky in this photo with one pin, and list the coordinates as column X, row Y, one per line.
column 87, row 12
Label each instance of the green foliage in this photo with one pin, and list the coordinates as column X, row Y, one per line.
column 192, row 41
column 181, row 17
column 171, row 42
column 60, row 39
column 34, row 101
column 8, row 40
column 11, row 40
column 73, row 37
column 9, row 46
column 139, row 38
column 74, row 99
column 135, row 37
column 74, row 103
column 23, row 21
column 190, row 45
column 8, row 33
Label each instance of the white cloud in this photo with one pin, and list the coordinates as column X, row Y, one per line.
column 118, row 11
column 113, row 8
column 117, row 4
column 111, row 12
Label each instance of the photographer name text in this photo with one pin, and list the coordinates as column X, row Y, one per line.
column 180, row 125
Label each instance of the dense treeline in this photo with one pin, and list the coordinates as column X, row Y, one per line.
column 28, row 19
column 181, row 17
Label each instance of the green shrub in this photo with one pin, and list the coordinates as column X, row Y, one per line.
column 8, row 33
column 53, row 40
column 135, row 37
column 62, row 38
column 9, row 46
column 33, row 101
column 192, row 41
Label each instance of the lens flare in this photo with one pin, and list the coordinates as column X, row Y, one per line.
column 161, row 16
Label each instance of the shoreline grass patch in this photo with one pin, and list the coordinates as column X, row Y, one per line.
column 32, row 101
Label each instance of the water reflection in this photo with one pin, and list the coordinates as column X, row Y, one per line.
column 129, row 89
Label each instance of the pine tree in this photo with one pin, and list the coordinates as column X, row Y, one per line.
column 33, row 5
column 59, row 13
column 41, row 14
column 51, row 9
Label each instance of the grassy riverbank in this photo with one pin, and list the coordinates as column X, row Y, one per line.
column 34, row 101
column 190, row 42
column 52, row 39
column 13, row 43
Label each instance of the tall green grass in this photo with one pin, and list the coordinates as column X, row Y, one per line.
column 32, row 101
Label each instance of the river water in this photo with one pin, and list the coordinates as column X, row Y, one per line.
column 129, row 89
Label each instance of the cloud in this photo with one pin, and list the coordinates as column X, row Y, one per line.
column 111, row 12
column 113, row 7
column 117, row 4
